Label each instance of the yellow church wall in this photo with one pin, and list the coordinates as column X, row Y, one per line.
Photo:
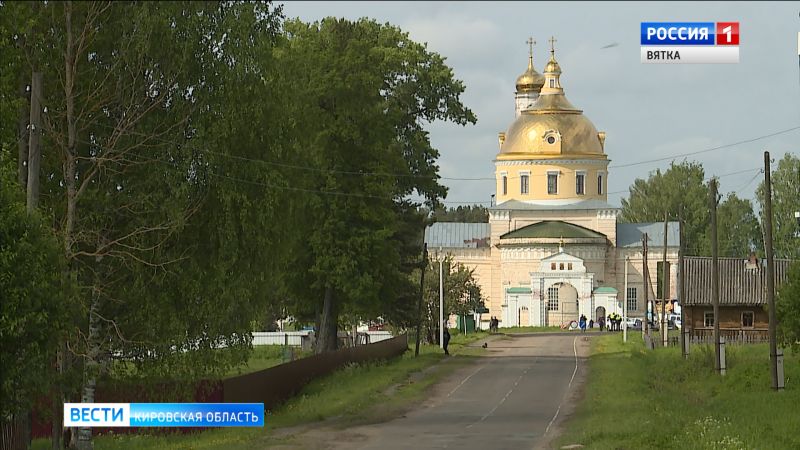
column 537, row 189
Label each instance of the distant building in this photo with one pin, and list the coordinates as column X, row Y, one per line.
column 742, row 298
column 553, row 249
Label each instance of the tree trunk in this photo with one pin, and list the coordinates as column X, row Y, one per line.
column 22, row 135
column 328, row 331
column 90, row 371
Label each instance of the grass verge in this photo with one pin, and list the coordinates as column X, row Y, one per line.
column 638, row 399
column 356, row 394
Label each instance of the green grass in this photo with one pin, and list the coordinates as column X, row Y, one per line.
column 266, row 356
column 638, row 399
column 356, row 394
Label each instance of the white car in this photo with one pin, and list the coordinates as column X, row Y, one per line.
column 634, row 324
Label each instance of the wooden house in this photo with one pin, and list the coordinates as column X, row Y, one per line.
column 742, row 298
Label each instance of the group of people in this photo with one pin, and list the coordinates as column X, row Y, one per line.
column 494, row 323
column 613, row 322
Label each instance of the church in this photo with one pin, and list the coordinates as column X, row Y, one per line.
column 553, row 249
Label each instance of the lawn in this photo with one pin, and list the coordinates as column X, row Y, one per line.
column 356, row 394
column 638, row 399
column 266, row 356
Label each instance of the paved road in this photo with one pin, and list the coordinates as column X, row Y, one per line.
column 513, row 399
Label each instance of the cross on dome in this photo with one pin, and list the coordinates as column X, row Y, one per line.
column 552, row 41
column 530, row 43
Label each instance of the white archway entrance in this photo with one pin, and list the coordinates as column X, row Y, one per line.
column 563, row 288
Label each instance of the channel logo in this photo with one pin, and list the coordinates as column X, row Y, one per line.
column 163, row 414
column 689, row 42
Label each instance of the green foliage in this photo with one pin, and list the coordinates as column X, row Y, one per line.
column 468, row 214
column 680, row 189
column 739, row 230
column 462, row 294
column 360, row 94
column 167, row 250
column 785, row 202
column 787, row 308
column 681, row 192
column 35, row 298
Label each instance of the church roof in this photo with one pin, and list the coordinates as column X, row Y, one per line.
column 605, row 290
column 543, row 206
column 630, row 234
column 552, row 229
column 519, row 290
column 457, row 235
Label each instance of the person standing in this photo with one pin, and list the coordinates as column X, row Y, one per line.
column 446, row 340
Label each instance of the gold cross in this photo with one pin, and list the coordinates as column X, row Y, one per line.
column 552, row 44
column 530, row 43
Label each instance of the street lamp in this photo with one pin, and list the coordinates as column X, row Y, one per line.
column 440, row 257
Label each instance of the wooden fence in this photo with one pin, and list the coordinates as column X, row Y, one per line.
column 706, row 336
column 271, row 386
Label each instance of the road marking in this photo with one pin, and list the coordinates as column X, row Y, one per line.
column 501, row 401
column 465, row 380
column 575, row 351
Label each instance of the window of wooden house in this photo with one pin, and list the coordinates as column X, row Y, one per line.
column 708, row 319
column 561, row 266
column 569, row 266
column 748, row 318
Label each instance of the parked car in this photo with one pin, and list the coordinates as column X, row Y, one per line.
column 634, row 324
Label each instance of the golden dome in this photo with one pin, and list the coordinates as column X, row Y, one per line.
column 552, row 66
column 530, row 80
column 552, row 126
column 540, row 133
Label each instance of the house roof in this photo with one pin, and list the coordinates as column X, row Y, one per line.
column 552, row 229
column 457, row 235
column 630, row 234
column 738, row 285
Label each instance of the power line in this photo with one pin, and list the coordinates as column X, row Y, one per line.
column 715, row 176
column 746, row 141
column 386, row 174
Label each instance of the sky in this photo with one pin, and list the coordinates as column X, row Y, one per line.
column 648, row 111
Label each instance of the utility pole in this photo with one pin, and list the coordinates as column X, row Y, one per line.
column 712, row 204
column 645, row 277
column 423, row 266
column 34, row 150
column 681, row 283
column 665, row 288
column 777, row 383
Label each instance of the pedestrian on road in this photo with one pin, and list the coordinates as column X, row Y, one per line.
column 582, row 323
column 446, row 341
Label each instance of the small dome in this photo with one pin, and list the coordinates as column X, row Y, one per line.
column 552, row 66
column 530, row 80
